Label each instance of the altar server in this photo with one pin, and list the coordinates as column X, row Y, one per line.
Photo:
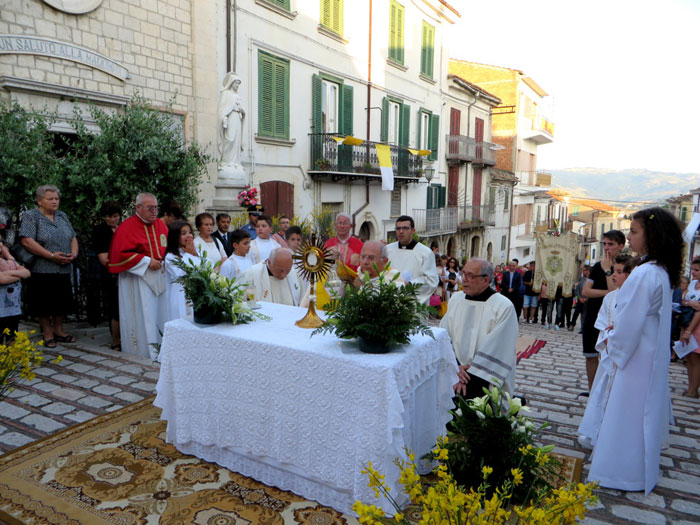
column 483, row 328
column 136, row 254
column 180, row 247
column 273, row 280
column 238, row 263
column 635, row 422
column 261, row 247
column 414, row 260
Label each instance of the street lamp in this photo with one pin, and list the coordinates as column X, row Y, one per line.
column 428, row 173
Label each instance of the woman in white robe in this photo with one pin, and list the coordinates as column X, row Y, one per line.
column 635, row 421
column 180, row 246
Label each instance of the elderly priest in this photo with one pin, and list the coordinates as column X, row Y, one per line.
column 273, row 280
column 136, row 254
column 373, row 261
column 484, row 329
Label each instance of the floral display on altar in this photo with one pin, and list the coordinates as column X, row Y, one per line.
column 248, row 197
column 214, row 298
column 488, row 471
column 380, row 313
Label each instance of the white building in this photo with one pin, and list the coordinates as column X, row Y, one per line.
column 312, row 74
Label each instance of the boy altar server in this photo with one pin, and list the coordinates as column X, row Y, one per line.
column 136, row 254
column 239, row 262
column 261, row 247
column 414, row 260
column 273, row 280
column 484, row 328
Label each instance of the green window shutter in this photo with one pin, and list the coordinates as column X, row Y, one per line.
column 434, row 136
column 273, row 96
column 419, row 130
column 338, row 16
column 404, row 125
column 332, row 15
column 429, row 51
column 443, row 194
column 346, row 126
column 284, row 4
column 326, row 13
column 316, row 111
column 396, row 19
column 429, row 199
column 423, row 49
column 384, row 134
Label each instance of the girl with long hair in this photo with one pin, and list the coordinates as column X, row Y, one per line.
column 180, row 246
column 635, row 410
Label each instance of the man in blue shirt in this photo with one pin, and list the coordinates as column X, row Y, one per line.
column 254, row 211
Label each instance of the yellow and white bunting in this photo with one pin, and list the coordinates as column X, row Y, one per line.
column 420, row 152
column 384, row 157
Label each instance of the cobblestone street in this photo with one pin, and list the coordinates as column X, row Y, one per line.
column 92, row 380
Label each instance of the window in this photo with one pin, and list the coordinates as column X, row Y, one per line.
column 394, row 122
column 602, row 231
column 284, row 4
column 593, row 254
column 396, row 32
column 526, row 252
column 611, row 226
column 428, row 132
column 329, row 107
column 506, row 198
column 427, row 50
column 436, row 196
column 273, row 96
column 575, row 211
column 503, row 242
column 492, row 199
column 332, row 15
column 684, row 213
column 396, row 201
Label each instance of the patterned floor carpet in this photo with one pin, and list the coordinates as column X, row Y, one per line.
column 118, row 469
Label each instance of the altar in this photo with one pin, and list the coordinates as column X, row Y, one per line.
column 302, row 413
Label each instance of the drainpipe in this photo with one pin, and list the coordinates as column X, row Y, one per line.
column 369, row 109
column 469, row 125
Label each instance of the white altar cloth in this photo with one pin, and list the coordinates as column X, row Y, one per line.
column 299, row 413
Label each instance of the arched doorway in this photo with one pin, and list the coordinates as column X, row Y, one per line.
column 366, row 231
column 450, row 248
column 489, row 252
column 474, row 252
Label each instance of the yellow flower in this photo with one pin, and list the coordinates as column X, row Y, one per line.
column 485, row 471
column 517, row 476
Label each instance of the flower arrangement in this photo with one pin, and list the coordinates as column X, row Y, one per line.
column 17, row 360
column 248, row 196
column 215, row 298
column 444, row 502
column 494, row 430
column 380, row 313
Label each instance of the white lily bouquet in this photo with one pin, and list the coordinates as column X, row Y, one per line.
column 214, row 298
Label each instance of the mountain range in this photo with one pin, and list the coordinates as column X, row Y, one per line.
column 623, row 185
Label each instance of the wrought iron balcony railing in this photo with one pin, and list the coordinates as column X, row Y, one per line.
column 328, row 156
column 475, row 216
column 436, row 220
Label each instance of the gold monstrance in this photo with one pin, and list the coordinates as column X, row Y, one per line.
column 313, row 261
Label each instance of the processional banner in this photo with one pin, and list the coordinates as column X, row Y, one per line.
column 555, row 263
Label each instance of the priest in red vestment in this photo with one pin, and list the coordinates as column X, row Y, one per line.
column 137, row 254
column 349, row 246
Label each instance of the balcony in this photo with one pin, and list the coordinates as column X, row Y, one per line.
column 465, row 149
column 527, row 230
column 541, row 131
column 436, row 221
column 476, row 216
column 333, row 162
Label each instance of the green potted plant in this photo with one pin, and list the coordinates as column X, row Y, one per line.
column 214, row 298
column 380, row 313
column 323, row 164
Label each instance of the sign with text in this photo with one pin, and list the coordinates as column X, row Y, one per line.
column 35, row 45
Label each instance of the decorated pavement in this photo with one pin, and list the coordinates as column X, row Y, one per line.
column 92, row 380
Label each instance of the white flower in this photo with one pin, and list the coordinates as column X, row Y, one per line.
column 520, row 429
column 213, row 276
column 458, row 412
column 480, row 414
column 222, row 280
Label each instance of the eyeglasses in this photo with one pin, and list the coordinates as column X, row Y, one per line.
column 402, row 228
column 152, row 209
column 469, row 276
column 368, row 257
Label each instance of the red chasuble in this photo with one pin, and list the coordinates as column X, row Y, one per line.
column 135, row 239
column 349, row 251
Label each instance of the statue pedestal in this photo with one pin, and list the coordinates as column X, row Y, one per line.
column 226, row 198
column 233, row 174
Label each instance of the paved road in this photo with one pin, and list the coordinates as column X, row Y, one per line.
column 93, row 380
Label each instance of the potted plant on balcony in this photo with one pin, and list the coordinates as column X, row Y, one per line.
column 380, row 314
column 323, row 164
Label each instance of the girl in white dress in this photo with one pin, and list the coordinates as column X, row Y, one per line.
column 635, row 420
column 692, row 299
column 205, row 242
column 180, row 246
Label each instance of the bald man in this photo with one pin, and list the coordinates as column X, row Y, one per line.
column 373, row 260
column 274, row 281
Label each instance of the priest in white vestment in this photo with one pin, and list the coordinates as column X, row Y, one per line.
column 414, row 260
column 273, row 280
column 373, row 260
column 136, row 254
column 484, row 328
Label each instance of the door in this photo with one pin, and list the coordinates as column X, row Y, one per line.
column 479, row 138
column 476, row 195
column 452, row 184
column 455, row 118
column 277, row 198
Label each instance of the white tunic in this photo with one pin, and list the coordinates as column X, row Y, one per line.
column 416, row 266
column 178, row 307
column 636, row 418
column 260, row 249
column 483, row 336
column 143, row 309
column 269, row 289
column 235, row 266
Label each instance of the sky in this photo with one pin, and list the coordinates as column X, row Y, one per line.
column 624, row 76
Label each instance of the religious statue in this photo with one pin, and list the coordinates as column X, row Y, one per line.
column 230, row 118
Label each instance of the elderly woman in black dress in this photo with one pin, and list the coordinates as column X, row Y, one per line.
column 48, row 234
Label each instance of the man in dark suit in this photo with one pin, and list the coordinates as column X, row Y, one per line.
column 223, row 221
column 510, row 286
